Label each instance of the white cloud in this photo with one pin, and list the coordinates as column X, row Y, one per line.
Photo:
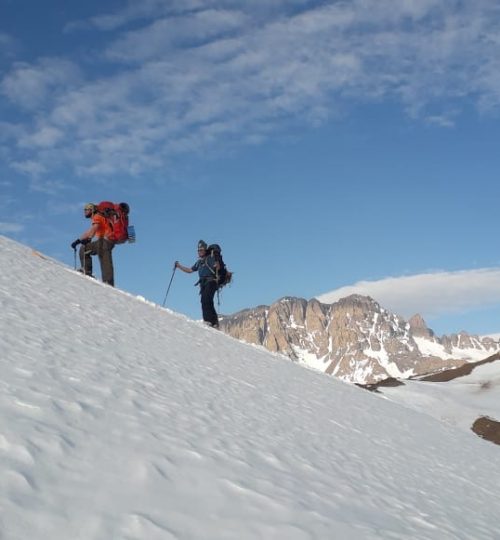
column 31, row 167
column 140, row 10
column 152, row 9
column 431, row 294
column 46, row 136
column 8, row 45
column 6, row 228
column 49, row 186
column 157, row 39
column 30, row 85
column 194, row 74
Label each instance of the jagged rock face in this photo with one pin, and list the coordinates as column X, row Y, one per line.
column 419, row 327
column 463, row 340
column 354, row 339
column 250, row 325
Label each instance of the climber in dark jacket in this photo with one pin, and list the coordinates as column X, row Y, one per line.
column 207, row 267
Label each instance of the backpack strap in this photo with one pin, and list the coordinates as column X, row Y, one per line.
column 205, row 263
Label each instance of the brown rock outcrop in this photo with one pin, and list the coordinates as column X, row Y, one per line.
column 354, row 339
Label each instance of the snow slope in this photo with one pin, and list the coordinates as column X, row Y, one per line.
column 459, row 401
column 122, row 420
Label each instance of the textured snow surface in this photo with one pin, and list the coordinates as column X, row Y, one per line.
column 458, row 402
column 122, row 420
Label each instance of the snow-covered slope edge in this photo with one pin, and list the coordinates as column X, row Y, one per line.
column 121, row 420
column 468, row 396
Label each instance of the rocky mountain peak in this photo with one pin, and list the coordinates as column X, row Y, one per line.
column 419, row 327
column 354, row 339
column 358, row 302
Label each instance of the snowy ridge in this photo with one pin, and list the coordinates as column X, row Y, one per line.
column 120, row 420
column 470, row 354
column 496, row 337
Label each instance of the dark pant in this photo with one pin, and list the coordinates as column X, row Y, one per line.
column 207, row 292
column 102, row 248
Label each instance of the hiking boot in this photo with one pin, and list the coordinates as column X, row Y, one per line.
column 82, row 271
column 211, row 325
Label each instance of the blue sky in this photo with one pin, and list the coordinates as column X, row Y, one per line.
column 324, row 145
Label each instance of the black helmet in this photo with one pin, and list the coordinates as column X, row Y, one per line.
column 125, row 208
column 202, row 245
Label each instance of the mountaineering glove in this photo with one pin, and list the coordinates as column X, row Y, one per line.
column 75, row 243
column 85, row 241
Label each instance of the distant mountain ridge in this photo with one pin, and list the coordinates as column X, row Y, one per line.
column 355, row 339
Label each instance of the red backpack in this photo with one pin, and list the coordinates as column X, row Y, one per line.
column 117, row 216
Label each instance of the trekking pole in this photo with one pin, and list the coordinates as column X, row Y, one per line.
column 170, row 283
